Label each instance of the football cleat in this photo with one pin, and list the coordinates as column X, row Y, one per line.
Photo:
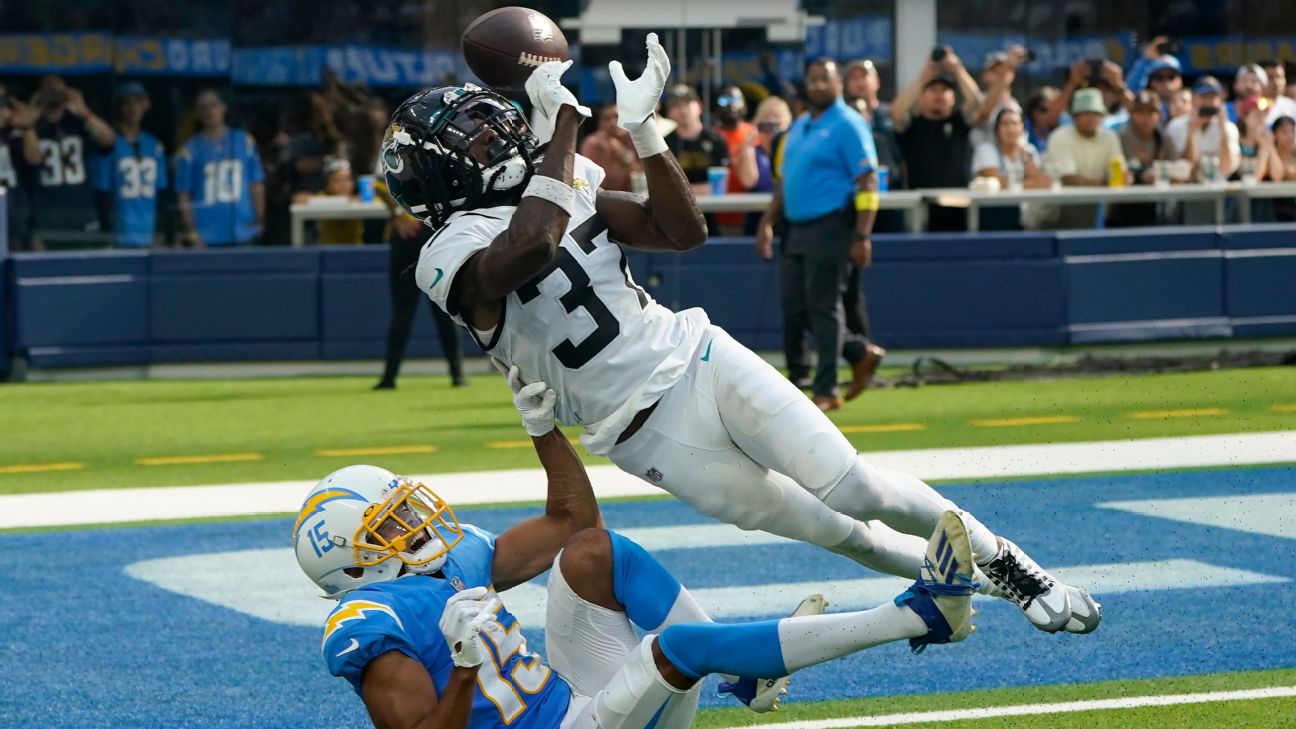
column 942, row 595
column 1086, row 612
column 765, row 694
column 1018, row 578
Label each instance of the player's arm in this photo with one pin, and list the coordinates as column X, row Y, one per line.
column 528, row 548
column 537, row 228
column 399, row 694
column 669, row 218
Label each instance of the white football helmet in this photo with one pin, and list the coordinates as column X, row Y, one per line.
column 365, row 524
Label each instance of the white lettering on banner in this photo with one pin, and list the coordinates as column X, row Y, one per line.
column 177, row 52
column 202, row 59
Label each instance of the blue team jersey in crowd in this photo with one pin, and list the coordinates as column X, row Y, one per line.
column 515, row 688
column 218, row 176
column 133, row 173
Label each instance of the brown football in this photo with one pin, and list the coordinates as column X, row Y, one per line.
column 504, row 46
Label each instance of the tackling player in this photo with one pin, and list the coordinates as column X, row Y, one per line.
column 421, row 634
column 527, row 255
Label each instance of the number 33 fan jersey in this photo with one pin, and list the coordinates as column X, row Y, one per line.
column 582, row 324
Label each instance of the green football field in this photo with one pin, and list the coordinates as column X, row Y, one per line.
column 61, row 436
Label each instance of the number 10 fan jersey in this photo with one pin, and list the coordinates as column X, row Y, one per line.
column 582, row 324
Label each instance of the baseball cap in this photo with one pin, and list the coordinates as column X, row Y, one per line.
column 862, row 64
column 1163, row 63
column 129, row 89
column 1208, row 85
column 995, row 58
column 1146, row 100
column 1087, row 101
column 942, row 78
column 1251, row 68
column 681, row 92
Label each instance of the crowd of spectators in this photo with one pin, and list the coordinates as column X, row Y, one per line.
column 77, row 179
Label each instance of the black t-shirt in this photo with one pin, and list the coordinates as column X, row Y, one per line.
column 937, row 153
column 15, row 177
column 64, row 200
column 696, row 155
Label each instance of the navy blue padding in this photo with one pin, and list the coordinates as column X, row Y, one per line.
column 236, row 260
column 1263, row 235
column 234, row 351
column 1244, row 328
column 242, row 307
column 84, row 310
column 1261, row 285
column 79, row 263
column 88, row 356
column 1136, row 240
column 1152, row 331
column 353, row 258
column 961, row 246
column 1145, row 290
column 355, row 305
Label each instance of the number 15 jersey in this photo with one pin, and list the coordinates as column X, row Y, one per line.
column 582, row 324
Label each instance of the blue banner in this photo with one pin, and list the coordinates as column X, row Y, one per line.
column 138, row 55
column 383, row 66
column 851, row 38
column 1219, row 54
column 56, row 52
column 278, row 66
column 1049, row 55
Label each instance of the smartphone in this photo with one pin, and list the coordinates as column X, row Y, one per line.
column 938, row 54
column 1095, row 71
column 1168, row 48
column 1207, row 111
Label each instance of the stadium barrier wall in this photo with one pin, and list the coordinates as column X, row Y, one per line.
column 933, row 290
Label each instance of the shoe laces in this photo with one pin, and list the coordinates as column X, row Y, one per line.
column 1024, row 580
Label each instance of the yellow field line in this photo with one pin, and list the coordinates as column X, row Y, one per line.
column 1023, row 421
column 1180, row 413
column 507, row 444
column 883, row 428
column 1285, row 408
column 376, row 451
column 198, row 460
column 42, row 467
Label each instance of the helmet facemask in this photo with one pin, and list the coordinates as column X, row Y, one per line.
column 413, row 525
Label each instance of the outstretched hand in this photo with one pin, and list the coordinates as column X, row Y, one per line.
column 637, row 99
column 548, row 95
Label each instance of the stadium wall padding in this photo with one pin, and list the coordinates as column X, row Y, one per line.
column 932, row 290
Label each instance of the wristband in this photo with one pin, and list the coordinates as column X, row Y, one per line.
column 554, row 191
column 648, row 140
column 867, row 200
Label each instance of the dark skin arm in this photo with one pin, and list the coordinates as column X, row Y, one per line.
column 528, row 548
column 668, row 219
column 861, row 251
column 399, row 694
column 532, row 238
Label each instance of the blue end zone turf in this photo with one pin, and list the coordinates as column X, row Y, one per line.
column 85, row 644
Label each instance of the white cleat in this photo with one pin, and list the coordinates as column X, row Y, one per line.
column 762, row 695
column 1086, row 612
column 1016, row 577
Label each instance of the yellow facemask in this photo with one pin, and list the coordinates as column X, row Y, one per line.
column 402, row 525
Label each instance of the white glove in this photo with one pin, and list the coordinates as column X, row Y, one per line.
column 461, row 624
column 535, row 402
column 548, row 95
column 637, row 100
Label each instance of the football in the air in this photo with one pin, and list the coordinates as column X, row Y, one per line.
column 504, row 46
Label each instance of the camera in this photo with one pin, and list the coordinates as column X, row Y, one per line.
column 938, row 53
column 1207, row 112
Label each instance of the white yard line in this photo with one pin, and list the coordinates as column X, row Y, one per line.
column 489, row 487
column 1066, row 707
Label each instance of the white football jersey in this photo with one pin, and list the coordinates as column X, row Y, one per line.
column 581, row 325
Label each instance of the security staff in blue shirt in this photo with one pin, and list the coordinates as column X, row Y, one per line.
column 828, row 193
column 133, row 173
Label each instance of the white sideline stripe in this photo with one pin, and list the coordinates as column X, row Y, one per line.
column 1064, row 707
column 267, row 584
column 488, row 487
column 1272, row 515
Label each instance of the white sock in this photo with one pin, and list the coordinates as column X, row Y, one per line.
column 814, row 639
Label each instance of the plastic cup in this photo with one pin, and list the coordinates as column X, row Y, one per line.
column 884, row 178
column 719, row 179
column 366, row 187
column 1162, row 173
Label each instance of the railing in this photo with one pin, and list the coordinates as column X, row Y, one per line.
column 912, row 202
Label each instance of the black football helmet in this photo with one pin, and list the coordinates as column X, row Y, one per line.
column 457, row 148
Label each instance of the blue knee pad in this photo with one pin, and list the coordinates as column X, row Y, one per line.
column 740, row 649
column 641, row 584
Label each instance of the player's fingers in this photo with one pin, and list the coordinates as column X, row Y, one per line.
column 532, row 390
column 515, row 378
column 563, row 68
column 652, row 41
column 617, row 73
column 472, row 593
column 550, row 397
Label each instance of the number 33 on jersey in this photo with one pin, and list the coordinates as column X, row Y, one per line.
column 581, row 312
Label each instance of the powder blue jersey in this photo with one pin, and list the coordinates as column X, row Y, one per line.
column 515, row 688
column 218, row 175
column 134, row 172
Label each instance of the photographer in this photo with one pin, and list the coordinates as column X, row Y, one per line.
column 60, row 141
column 1207, row 131
column 1107, row 78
